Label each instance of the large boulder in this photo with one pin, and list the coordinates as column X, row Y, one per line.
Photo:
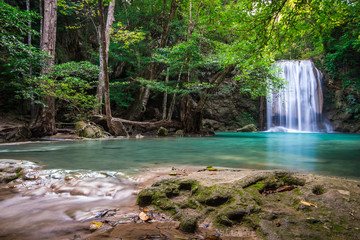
column 88, row 130
column 248, row 128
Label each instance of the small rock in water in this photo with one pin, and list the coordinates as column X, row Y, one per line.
column 162, row 132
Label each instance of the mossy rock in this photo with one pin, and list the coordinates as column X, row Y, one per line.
column 235, row 213
column 162, row 132
column 171, row 191
column 179, row 133
column 223, row 220
column 187, row 185
column 80, row 126
column 189, row 224
column 230, row 216
column 248, row 128
column 146, row 197
column 88, row 131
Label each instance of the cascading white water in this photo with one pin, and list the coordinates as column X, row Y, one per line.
column 298, row 107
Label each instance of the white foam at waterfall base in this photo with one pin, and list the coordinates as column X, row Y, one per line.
column 298, row 107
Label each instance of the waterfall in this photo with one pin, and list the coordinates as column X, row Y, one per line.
column 299, row 106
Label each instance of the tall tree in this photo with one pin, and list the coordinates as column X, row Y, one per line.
column 44, row 122
column 109, row 25
column 116, row 127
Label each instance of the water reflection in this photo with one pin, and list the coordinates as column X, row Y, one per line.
column 292, row 151
column 329, row 154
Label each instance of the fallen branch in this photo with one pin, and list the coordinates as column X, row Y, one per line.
column 140, row 126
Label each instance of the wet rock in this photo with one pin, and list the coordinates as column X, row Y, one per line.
column 88, row 130
column 162, row 132
column 146, row 197
column 235, row 214
column 230, row 216
column 223, row 220
column 186, row 185
column 189, row 224
column 216, row 200
column 179, row 133
column 80, row 126
column 166, row 205
column 171, row 192
column 248, row 128
column 81, row 191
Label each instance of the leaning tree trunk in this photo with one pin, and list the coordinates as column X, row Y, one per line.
column 109, row 23
column 44, row 122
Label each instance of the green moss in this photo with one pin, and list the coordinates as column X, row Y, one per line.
column 318, row 190
column 164, row 204
column 256, row 220
column 297, row 191
column 253, row 182
column 146, row 196
column 18, row 169
column 286, row 179
column 223, row 221
column 258, row 186
column 338, row 228
column 258, row 201
column 11, row 178
column 189, row 224
column 240, row 193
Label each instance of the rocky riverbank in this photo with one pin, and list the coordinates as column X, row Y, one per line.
column 245, row 204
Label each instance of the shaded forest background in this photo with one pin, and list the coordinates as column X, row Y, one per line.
column 168, row 59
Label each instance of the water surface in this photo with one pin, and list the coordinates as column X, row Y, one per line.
column 328, row 154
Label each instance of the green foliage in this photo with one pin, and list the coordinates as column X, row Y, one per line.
column 121, row 35
column 16, row 58
column 73, row 84
column 120, row 92
column 245, row 118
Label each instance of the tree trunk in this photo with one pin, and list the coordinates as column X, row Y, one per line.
column 109, row 23
column 165, row 94
column 191, row 118
column 138, row 109
column 32, row 104
column 41, row 22
column 172, row 104
column 117, row 127
column 44, row 122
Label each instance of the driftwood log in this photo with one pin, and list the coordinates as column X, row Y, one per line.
column 136, row 126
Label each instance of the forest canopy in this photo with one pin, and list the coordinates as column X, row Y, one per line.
column 136, row 50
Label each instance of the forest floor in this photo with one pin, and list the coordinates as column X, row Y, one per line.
column 207, row 204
